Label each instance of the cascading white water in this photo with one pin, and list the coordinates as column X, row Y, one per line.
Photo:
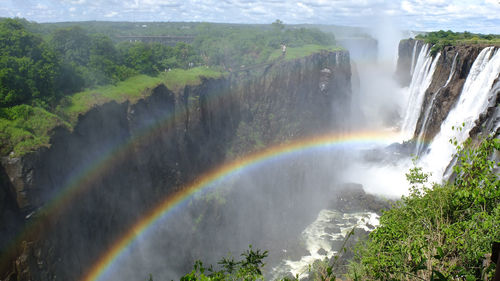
column 330, row 228
column 412, row 68
column 452, row 71
column 472, row 102
column 420, row 141
column 424, row 70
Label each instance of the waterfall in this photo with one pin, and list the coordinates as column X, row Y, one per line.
column 423, row 128
column 412, row 68
column 421, row 79
column 473, row 100
column 453, row 66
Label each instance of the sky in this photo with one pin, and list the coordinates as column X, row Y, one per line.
column 481, row 16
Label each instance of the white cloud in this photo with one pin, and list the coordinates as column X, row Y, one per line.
column 459, row 15
column 111, row 14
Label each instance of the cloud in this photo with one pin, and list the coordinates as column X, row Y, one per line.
column 473, row 15
column 111, row 14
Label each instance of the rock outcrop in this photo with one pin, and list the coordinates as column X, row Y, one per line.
column 408, row 51
column 78, row 196
column 446, row 86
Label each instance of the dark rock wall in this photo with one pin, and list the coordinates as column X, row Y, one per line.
column 123, row 158
column 445, row 97
column 405, row 56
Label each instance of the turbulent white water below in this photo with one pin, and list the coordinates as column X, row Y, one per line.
column 384, row 172
column 324, row 237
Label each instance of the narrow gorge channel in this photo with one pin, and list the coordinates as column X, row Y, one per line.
column 288, row 158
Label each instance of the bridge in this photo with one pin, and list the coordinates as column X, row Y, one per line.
column 162, row 39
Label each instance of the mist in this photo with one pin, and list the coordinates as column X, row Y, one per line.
column 152, row 135
column 272, row 206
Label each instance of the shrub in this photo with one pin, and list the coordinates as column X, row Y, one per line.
column 443, row 230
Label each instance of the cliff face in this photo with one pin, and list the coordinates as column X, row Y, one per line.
column 76, row 197
column 446, row 85
column 406, row 49
column 446, row 96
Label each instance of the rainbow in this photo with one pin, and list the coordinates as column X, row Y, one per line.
column 84, row 180
column 222, row 172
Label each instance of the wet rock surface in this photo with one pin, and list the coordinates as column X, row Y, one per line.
column 406, row 49
column 350, row 216
column 139, row 153
column 352, row 198
column 446, row 86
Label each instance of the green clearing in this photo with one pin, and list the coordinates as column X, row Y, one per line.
column 76, row 66
column 24, row 128
column 178, row 78
column 132, row 89
column 300, row 52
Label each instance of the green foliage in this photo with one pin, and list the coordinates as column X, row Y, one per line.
column 73, row 44
column 236, row 46
column 177, row 78
column 66, row 68
column 303, row 51
column 151, row 58
column 28, row 67
column 24, row 128
column 440, row 232
column 248, row 268
column 440, row 39
column 131, row 89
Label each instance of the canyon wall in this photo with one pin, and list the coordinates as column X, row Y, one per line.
column 61, row 207
column 452, row 70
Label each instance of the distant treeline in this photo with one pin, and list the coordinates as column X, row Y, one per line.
column 440, row 39
column 40, row 63
column 34, row 69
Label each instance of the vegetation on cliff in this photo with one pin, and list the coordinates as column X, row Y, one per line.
column 24, row 128
column 234, row 46
column 440, row 39
column 132, row 89
column 439, row 232
column 64, row 70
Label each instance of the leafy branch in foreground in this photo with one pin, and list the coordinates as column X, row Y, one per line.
column 441, row 232
column 248, row 268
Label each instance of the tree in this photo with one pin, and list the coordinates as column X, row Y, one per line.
column 28, row 67
column 72, row 44
column 441, row 232
column 249, row 268
column 278, row 25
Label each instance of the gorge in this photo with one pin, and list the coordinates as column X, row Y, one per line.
column 63, row 207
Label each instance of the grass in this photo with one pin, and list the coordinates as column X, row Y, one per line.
column 178, row 78
column 24, row 128
column 300, row 52
column 131, row 90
